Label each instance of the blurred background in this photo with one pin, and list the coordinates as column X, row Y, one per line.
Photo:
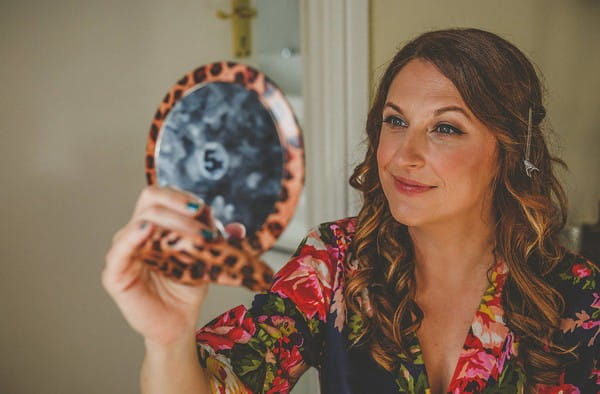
column 80, row 83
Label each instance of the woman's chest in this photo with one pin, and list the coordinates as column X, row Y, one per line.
column 443, row 333
column 441, row 342
column 353, row 369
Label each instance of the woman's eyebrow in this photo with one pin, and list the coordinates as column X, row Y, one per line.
column 437, row 112
column 393, row 106
column 440, row 111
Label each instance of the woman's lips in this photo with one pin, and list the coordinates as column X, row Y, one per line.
column 408, row 186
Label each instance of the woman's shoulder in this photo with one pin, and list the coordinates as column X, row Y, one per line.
column 578, row 279
column 311, row 276
column 331, row 237
column 335, row 233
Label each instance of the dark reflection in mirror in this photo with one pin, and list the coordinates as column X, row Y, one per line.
column 220, row 143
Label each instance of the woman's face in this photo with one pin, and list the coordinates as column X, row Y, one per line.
column 436, row 160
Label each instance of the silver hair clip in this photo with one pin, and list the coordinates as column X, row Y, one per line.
column 529, row 167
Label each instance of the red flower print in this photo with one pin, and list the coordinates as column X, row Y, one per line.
column 562, row 388
column 474, row 366
column 229, row 328
column 588, row 325
column 280, row 385
column 306, row 280
column 596, row 302
column 290, row 359
column 342, row 238
column 348, row 224
column 285, row 324
column 596, row 373
column 336, row 252
column 581, row 270
column 490, row 333
column 507, row 353
column 472, row 342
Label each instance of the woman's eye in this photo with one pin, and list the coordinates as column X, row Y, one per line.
column 446, row 129
column 394, row 121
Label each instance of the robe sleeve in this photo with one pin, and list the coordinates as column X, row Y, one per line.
column 267, row 347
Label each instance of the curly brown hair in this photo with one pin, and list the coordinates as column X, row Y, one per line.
column 499, row 85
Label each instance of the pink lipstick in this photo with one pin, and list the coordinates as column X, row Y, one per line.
column 408, row 186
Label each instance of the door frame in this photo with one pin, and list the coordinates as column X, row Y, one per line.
column 335, row 42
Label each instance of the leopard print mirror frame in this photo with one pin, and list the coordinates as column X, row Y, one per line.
column 194, row 260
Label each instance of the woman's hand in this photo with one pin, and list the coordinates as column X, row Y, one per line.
column 158, row 308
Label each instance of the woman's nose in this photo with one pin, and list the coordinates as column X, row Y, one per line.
column 411, row 149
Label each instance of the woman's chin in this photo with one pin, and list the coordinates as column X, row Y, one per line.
column 409, row 220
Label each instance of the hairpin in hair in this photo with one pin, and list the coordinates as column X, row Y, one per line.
column 529, row 167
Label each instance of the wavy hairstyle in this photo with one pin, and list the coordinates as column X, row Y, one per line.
column 499, row 85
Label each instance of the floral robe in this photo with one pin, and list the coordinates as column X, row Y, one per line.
column 302, row 322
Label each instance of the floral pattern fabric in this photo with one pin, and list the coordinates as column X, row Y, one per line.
column 302, row 322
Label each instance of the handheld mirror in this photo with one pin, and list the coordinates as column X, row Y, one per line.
column 225, row 133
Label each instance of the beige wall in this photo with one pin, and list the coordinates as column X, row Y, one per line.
column 561, row 37
column 80, row 83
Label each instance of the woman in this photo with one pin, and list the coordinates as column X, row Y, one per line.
column 457, row 237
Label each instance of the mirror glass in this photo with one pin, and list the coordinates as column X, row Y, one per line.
column 220, row 143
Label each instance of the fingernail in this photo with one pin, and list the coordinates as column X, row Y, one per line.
column 207, row 234
column 193, row 206
column 220, row 228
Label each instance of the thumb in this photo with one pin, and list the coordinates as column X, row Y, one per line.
column 235, row 230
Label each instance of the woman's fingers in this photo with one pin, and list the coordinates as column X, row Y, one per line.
column 179, row 222
column 176, row 200
column 119, row 258
column 235, row 230
column 173, row 220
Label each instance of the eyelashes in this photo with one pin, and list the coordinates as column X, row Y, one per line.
column 394, row 121
column 447, row 129
column 441, row 128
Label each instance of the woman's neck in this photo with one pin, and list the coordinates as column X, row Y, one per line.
column 452, row 254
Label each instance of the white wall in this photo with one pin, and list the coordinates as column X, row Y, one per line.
column 561, row 37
